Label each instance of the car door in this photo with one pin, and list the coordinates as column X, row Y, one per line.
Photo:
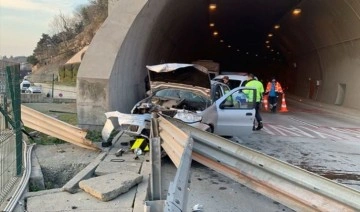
column 235, row 112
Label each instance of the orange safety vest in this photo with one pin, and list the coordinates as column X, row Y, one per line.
column 277, row 87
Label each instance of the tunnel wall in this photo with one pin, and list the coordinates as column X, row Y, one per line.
column 136, row 34
column 324, row 42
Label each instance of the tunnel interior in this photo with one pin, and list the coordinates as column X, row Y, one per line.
column 310, row 46
column 307, row 45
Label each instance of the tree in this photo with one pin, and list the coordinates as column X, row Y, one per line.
column 64, row 27
column 32, row 60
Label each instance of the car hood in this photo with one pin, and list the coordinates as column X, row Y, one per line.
column 177, row 75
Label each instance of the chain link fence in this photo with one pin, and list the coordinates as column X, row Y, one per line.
column 11, row 148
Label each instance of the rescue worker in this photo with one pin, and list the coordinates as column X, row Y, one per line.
column 273, row 89
column 252, row 82
column 226, row 81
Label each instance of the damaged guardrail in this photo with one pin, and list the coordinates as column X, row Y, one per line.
column 56, row 128
column 294, row 187
column 177, row 195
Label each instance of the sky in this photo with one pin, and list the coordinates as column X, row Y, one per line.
column 22, row 22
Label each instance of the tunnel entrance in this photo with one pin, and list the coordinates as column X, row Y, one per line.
column 263, row 37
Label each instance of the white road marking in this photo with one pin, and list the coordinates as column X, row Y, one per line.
column 312, row 131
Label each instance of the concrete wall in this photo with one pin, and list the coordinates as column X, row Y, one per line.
column 41, row 98
column 324, row 41
column 111, row 76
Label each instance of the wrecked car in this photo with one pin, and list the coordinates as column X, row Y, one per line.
column 185, row 92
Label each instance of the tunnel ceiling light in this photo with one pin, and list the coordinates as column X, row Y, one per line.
column 215, row 33
column 229, row 46
column 247, row 52
column 277, row 26
column 270, row 35
column 221, row 41
column 212, row 6
column 267, row 41
column 272, row 50
column 268, row 47
column 238, row 50
column 296, row 11
column 211, row 24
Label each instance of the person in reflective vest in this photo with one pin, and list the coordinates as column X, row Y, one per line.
column 273, row 89
column 253, row 83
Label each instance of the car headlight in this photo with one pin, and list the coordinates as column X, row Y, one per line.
column 187, row 116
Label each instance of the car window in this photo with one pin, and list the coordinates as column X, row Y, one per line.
column 168, row 93
column 234, row 83
column 218, row 92
column 241, row 99
column 192, row 100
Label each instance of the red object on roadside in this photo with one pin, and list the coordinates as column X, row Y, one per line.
column 265, row 102
column 283, row 104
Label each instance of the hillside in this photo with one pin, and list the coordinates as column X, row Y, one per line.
column 52, row 51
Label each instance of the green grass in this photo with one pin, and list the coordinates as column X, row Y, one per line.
column 44, row 139
column 94, row 135
column 69, row 118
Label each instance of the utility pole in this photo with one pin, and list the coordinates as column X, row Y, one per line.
column 52, row 87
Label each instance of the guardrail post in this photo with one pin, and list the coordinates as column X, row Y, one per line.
column 155, row 160
column 178, row 190
column 155, row 178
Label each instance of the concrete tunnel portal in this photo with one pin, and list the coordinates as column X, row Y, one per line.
column 315, row 53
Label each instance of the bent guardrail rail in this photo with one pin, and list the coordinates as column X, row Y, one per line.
column 56, row 128
column 293, row 187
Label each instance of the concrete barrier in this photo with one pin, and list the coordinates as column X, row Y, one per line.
column 41, row 98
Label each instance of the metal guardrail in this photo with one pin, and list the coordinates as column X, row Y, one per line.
column 56, row 128
column 177, row 195
column 294, row 187
column 8, row 175
column 14, row 201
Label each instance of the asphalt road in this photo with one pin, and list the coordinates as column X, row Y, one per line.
column 60, row 91
column 306, row 136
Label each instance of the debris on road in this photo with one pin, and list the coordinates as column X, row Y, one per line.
column 110, row 186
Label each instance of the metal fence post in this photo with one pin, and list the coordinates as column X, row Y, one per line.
column 13, row 77
column 52, row 86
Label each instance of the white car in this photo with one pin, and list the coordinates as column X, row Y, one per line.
column 185, row 92
column 34, row 89
column 24, row 85
column 235, row 80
